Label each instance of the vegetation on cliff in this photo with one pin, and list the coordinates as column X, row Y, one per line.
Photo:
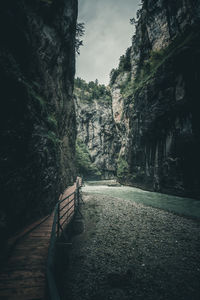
column 156, row 84
column 124, row 66
column 88, row 92
column 95, row 130
column 122, row 168
column 84, row 164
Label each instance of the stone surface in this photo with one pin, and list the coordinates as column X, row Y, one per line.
column 156, row 109
column 37, row 64
column 96, row 129
column 131, row 251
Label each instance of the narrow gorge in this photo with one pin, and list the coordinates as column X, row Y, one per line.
column 135, row 141
column 142, row 129
column 152, row 135
column 97, row 138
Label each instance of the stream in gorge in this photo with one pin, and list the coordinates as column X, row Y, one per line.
column 133, row 247
column 183, row 206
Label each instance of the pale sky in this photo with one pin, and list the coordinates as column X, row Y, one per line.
column 108, row 34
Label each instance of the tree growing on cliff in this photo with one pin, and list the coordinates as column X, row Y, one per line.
column 92, row 90
column 133, row 21
column 125, row 61
column 80, row 31
column 124, row 66
column 113, row 75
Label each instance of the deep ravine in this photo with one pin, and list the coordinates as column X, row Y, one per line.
column 152, row 117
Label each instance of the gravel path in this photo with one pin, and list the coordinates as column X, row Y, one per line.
column 131, row 251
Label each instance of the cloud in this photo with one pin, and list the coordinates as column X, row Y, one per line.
column 108, row 35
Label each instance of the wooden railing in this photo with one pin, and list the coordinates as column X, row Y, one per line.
column 66, row 208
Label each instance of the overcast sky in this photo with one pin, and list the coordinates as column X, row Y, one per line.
column 107, row 35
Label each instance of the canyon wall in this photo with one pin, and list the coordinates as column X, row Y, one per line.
column 37, row 65
column 155, row 93
column 96, row 129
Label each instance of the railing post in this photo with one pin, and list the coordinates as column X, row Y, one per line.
column 77, row 196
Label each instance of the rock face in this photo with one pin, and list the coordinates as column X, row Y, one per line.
column 37, row 64
column 155, row 99
column 96, row 127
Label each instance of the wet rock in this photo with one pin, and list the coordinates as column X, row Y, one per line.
column 155, row 103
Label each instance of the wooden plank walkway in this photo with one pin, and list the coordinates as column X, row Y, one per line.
column 24, row 275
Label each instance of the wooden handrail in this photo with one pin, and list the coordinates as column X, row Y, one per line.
column 55, row 234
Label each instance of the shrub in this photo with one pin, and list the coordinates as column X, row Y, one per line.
column 80, row 31
column 83, row 161
column 90, row 91
column 113, row 75
column 122, row 167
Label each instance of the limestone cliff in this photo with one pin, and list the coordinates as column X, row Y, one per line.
column 37, row 64
column 155, row 99
column 96, row 128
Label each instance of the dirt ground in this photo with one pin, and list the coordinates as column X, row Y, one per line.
column 129, row 251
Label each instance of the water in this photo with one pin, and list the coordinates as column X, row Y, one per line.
column 184, row 206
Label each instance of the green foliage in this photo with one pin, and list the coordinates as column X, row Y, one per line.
column 87, row 92
column 53, row 138
column 127, row 91
column 113, row 75
column 80, row 83
column 149, row 67
column 133, row 21
column 122, row 168
column 126, row 88
column 83, row 161
column 124, row 62
column 80, row 31
column 124, row 66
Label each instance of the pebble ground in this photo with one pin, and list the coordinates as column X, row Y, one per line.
column 129, row 251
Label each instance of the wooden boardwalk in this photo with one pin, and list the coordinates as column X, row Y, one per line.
column 24, row 275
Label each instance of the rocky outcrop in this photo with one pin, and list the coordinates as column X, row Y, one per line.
column 37, row 64
column 120, row 108
column 96, row 127
column 157, row 99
